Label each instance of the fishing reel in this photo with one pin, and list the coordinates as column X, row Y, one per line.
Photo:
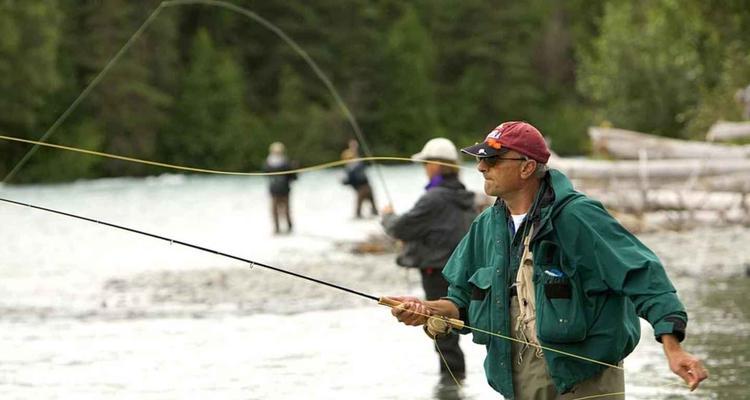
column 437, row 327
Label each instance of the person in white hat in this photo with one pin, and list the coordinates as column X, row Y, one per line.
column 430, row 231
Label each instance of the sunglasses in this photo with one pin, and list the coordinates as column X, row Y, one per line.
column 492, row 161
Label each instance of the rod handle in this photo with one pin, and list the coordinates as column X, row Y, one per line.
column 387, row 301
column 453, row 322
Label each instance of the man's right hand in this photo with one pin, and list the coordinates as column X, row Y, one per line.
column 412, row 311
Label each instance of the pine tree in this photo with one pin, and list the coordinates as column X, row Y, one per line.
column 408, row 110
column 29, row 40
column 129, row 104
column 209, row 123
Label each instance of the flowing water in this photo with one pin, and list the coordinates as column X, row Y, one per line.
column 91, row 312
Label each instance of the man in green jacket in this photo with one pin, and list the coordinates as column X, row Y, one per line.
column 549, row 267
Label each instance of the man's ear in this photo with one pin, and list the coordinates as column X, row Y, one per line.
column 528, row 168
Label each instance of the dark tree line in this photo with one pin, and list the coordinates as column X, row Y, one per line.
column 206, row 87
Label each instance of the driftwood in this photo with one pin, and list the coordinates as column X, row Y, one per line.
column 662, row 199
column 724, row 130
column 678, row 220
column 674, row 170
column 629, row 145
column 737, row 182
column 648, row 195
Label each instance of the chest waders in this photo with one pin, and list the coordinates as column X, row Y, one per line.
column 526, row 322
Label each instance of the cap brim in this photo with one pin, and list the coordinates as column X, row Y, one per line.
column 481, row 150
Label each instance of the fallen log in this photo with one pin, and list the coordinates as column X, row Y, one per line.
column 674, row 170
column 724, row 130
column 679, row 220
column 635, row 201
column 630, row 145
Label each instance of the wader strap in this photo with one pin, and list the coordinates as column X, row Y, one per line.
column 526, row 321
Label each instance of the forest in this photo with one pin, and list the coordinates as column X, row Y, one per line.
column 207, row 87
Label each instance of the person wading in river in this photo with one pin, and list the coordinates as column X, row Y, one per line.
column 356, row 177
column 431, row 230
column 549, row 266
column 279, row 186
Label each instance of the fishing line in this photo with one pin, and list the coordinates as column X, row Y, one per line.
column 445, row 362
column 213, row 171
column 232, row 7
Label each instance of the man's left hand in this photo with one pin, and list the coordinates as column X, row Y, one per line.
column 682, row 363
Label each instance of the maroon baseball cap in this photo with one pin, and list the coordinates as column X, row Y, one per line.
column 512, row 135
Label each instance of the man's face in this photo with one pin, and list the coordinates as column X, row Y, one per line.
column 502, row 174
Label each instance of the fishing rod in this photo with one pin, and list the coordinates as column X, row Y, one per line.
column 458, row 324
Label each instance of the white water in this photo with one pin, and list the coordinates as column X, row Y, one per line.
column 91, row 312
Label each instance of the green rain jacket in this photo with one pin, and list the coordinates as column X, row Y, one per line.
column 592, row 281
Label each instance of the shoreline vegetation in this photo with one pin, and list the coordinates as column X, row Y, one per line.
column 206, row 86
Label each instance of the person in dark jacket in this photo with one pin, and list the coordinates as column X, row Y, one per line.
column 431, row 230
column 549, row 267
column 356, row 177
column 279, row 186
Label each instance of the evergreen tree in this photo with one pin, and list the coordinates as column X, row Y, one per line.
column 312, row 133
column 664, row 67
column 128, row 104
column 407, row 108
column 29, row 40
column 209, row 124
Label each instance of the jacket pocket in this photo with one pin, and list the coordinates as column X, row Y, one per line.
column 479, row 306
column 559, row 303
column 560, row 316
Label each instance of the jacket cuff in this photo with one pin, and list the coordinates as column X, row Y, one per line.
column 670, row 325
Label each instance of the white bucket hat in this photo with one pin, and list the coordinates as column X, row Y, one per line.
column 437, row 149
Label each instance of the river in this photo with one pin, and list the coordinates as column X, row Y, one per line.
column 91, row 312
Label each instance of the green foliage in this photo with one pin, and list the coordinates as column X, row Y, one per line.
column 29, row 38
column 206, row 87
column 719, row 102
column 210, row 125
column 312, row 133
column 47, row 162
column 645, row 70
column 407, row 98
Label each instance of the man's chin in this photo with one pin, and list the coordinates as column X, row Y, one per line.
column 488, row 191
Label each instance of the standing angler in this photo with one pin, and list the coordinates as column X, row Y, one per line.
column 549, row 266
column 279, row 186
column 431, row 230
